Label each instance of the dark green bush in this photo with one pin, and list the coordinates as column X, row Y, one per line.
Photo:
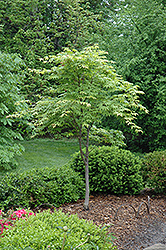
column 111, row 170
column 154, row 170
column 47, row 185
column 46, row 231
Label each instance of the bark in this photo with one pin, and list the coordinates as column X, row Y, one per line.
column 85, row 158
column 86, row 203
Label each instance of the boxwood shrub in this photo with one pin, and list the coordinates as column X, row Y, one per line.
column 154, row 170
column 45, row 185
column 46, row 230
column 111, row 170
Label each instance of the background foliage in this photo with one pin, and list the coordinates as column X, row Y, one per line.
column 11, row 74
column 139, row 48
column 34, row 29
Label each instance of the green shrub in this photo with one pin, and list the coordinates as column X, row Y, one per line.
column 154, row 170
column 46, row 230
column 46, row 185
column 111, row 170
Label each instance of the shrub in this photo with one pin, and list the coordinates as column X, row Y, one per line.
column 47, row 185
column 111, row 170
column 154, row 170
column 47, row 230
column 8, row 220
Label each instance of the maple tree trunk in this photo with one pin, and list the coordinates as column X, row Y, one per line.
column 85, row 158
column 86, row 203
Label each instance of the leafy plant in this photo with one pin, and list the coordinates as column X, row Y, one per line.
column 111, row 170
column 9, row 219
column 10, row 101
column 154, row 170
column 40, row 29
column 48, row 230
column 47, row 185
column 88, row 89
column 139, row 35
column 102, row 136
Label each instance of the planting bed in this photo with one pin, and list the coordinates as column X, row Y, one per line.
column 132, row 231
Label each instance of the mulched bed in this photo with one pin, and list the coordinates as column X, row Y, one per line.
column 133, row 230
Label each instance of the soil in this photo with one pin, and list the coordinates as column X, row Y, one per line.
column 136, row 221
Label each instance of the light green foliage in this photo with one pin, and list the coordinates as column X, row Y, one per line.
column 46, row 231
column 10, row 101
column 138, row 45
column 54, row 185
column 88, row 89
column 111, row 170
column 154, row 170
column 102, row 136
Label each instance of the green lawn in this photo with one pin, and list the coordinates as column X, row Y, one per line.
column 46, row 152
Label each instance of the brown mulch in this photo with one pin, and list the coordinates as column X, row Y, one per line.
column 133, row 230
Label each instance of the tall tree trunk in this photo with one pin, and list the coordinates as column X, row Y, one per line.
column 85, row 158
column 86, row 203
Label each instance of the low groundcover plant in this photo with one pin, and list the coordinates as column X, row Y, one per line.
column 55, row 230
column 7, row 220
